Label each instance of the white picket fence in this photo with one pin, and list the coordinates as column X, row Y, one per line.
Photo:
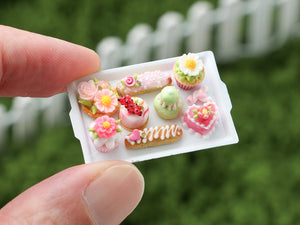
column 233, row 30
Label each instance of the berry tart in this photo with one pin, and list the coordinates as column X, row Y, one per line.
column 134, row 112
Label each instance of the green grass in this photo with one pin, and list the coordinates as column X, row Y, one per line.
column 256, row 181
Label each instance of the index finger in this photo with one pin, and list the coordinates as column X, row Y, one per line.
column 40, row 66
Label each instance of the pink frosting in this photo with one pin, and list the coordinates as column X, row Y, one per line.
column 101, row 130
column 204, row 124
column 148, row 80
column 102, row 107
column 87, row 90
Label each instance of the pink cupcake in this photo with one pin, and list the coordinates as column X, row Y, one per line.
column 105, row 133
column 188, row 71
column 201, row 118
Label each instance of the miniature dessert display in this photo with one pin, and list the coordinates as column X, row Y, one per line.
column 168, row 103
column 134, row 112
column 105, row 133
column 201, row 118
column 188, row 71
column 153, row 136
column 97, row 98
column 142, row 83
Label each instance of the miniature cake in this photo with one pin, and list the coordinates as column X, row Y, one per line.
column 97, row 98
column 153, row 136
column 142, row 83
column 188, row 71
column 201, row 118
column 105, row 133
column 134, row 112
column 168, row 103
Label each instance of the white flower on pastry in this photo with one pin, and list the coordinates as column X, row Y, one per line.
column 190, row 64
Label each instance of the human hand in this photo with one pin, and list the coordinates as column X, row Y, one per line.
column 97, row 193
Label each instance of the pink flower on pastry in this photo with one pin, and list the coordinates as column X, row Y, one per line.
column 87, row 90
column 105, row 126
column 129, row 81
column 105, row 101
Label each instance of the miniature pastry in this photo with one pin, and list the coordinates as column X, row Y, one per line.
column 188, row 71
column 199, row 95
column 168, row 103
column 97, row 98
column 201, row 118
column 134, row 112
column 153, row 136
column 105, row 133
column 142, row 83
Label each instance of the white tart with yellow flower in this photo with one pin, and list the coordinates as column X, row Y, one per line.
column 188, row 71
column 97, row 98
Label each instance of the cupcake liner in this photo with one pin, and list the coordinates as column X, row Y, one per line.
column 185, row 87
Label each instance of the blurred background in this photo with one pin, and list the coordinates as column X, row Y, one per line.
column 257, row 47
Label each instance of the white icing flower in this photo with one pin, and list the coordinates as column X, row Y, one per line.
column 190, row 64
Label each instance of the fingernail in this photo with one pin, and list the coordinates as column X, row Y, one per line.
column 111, row 197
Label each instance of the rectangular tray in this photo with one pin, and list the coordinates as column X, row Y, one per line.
column 224, row 133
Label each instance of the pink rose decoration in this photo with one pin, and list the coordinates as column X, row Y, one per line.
column 129, row 81
column 87, row 90
column 105, row 126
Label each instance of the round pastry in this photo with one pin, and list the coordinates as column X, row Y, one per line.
column 168, row 103
column 105, row 133
column 144, row 82
column 134, row 112
column 188, row 71
column 201, row 118
column 97, row 98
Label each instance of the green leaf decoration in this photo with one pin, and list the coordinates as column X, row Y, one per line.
column 195, row 111
column 94, row 109
column 117, row 121
column 85, row 102
column 119, row 130
column 96, row 81
column 196, row 117
column 135, row 76
column 95, row 135
column 123, row 88
column 122, row 81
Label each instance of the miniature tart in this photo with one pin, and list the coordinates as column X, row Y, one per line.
column 188, row 71
column 105, row 133
column 142, row 83
column 153, row 136
column 201, row 118
column 97, row 98
column 134, row 112
column 168, row 103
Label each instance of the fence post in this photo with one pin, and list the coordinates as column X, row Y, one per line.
column 25, row 111
column 138, row 44
column 199, row 24
column 169, row 35
column 110, row 52
column 260, row 26
column 228, row 36
column 54, row 110
column 288, row 18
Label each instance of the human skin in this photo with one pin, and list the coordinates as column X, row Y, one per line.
column 97, row 193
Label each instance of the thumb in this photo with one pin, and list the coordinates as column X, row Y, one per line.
column 97, row 193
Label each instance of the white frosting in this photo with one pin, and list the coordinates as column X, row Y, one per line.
column 171, row 106
column 162, row 133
